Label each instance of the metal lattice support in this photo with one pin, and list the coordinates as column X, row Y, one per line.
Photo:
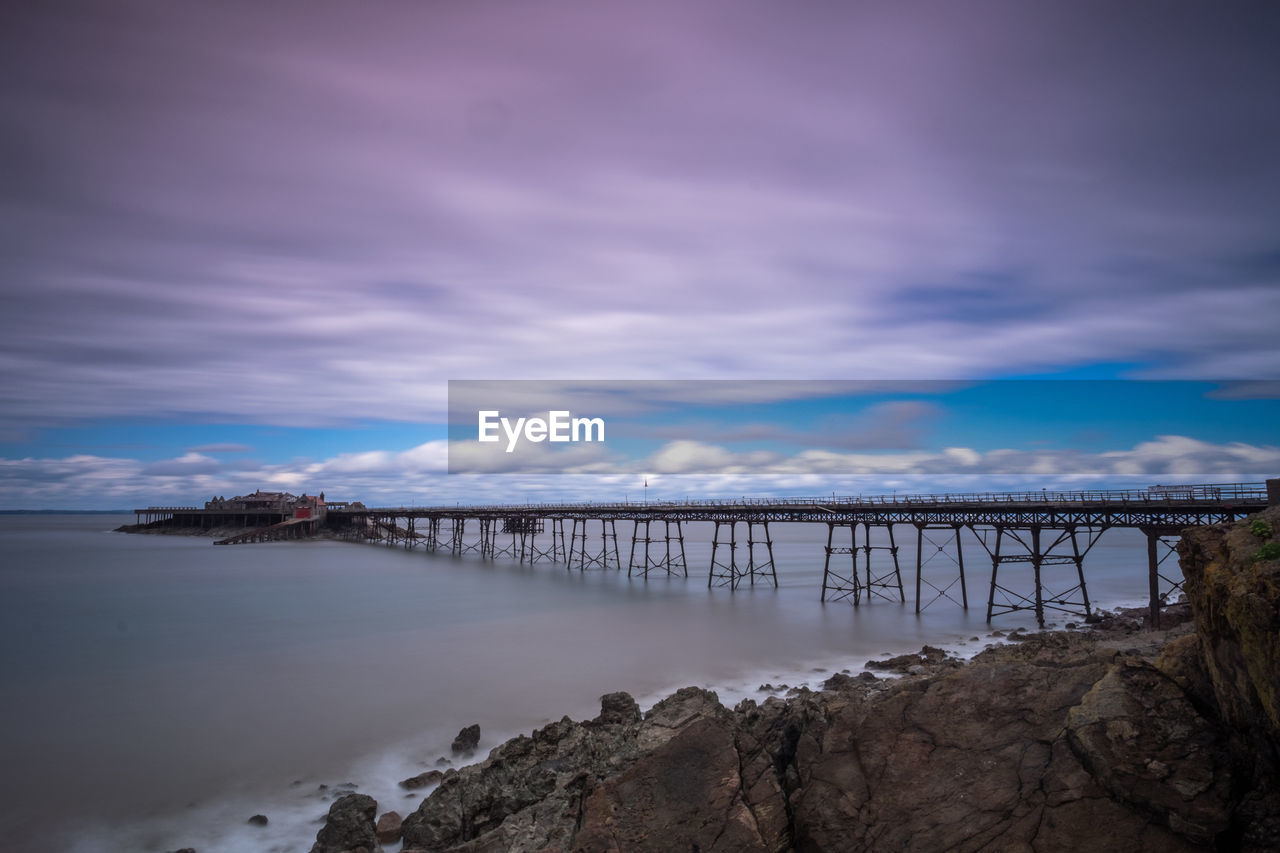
column 559, row 546
column 939, row 553
column 722, row 573
column 732, row 573
column 501, row 539
column 664, row 559
column 837, row 586
column 1162, row 543
column 453, row 536
column 1028, row 549
column 527, row 528
column 636, row 540
column 578, row 545
column 884, row 584
column 763, row 567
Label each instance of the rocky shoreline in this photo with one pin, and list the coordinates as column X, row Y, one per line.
column 1105, row 736
column 1109, row 737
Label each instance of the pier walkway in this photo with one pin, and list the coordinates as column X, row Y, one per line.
column 1033, row 529
column 1035, row 541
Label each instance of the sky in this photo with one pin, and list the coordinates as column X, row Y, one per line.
column 248, row 245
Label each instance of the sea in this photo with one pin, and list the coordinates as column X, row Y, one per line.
column 157, row 691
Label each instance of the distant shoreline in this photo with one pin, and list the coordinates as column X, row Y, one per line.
column 66, row 512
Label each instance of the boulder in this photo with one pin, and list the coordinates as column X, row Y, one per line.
column 349, row 826
column 422, row 780
column 618, row 708
column 388, row 828
column 467, row 740
column 901, row 663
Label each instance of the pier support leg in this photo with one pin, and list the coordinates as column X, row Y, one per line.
column 995, row 567
column 1153, row 579
column 835, row 584
column 724, row 573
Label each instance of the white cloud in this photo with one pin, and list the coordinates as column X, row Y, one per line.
column 695, row 469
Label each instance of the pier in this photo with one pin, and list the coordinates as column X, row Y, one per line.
column 1051, row 533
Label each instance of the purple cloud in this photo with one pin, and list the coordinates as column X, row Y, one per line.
column 284, row 214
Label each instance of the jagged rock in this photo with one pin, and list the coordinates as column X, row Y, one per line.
column 618, row 708
column 838, row 681
column 932, row 654
column 1236, row 601
column 467, row 740
column 528, row 794
column 901, row 663
column 686, row 794
column 422, row 780
column 388, row 828
column 1144, row 742
column 970, row 760
column 349, row 826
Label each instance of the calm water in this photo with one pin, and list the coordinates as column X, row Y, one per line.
column 156, row 691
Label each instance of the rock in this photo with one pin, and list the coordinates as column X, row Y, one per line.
column 895, row 664
column 467, row 740
column 618, row 709
column 838, row 681
column 258, row 820
column 1236, row 602
column 1145, row 743
column 1000, row 774
column 388, row 828
column 933, row 654
column 529, row 792
column 349, row 826
column 687, row 794
column 422, row 780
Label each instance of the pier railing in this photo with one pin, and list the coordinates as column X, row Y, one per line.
column 1162, row 495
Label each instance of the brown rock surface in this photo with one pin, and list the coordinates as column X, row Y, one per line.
column 973, row 760
column 1143, row 741
column 1234, row 597
column 388, row 827
column 422, row 780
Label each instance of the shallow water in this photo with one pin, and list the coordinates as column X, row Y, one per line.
column 155, row 691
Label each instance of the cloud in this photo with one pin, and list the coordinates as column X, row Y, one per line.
column 221, row 447
column 679, row 469
column 187, row 465
column 275, row 216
